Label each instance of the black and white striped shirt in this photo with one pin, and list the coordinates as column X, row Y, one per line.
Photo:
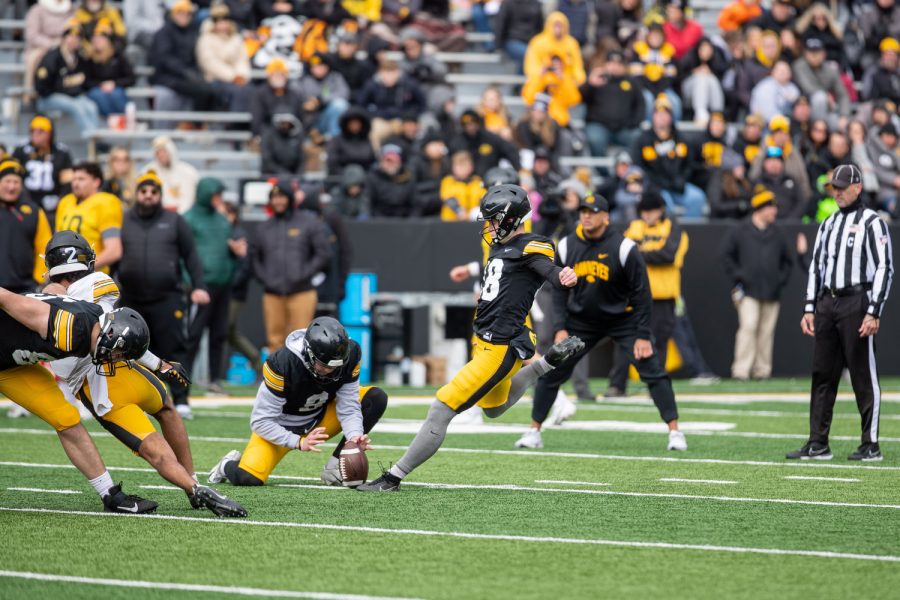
column 852, row 249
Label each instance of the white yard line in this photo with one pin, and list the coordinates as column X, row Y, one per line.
column 188, row 587
column 167, row 488
column 806, row 478
column 712, row 481
column 41, row 490
column 477, row 536
column 559, row 482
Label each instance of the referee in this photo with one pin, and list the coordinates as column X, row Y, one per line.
column 611, row 299
column 849, row 279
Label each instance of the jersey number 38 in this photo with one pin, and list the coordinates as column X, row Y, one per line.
column 492, row 274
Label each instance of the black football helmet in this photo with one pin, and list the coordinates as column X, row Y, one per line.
column 506, row 205
column 326, row 346
column 68, row 254
column 124, row 336
column 499, row 176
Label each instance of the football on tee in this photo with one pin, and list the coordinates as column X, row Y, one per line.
column 354, row 465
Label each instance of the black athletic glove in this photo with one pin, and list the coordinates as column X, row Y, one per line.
column 175, row 375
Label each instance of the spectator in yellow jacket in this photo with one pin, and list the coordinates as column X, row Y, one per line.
column 555, row 41
column 561, row 90
column 461, row 191
column 92, row 12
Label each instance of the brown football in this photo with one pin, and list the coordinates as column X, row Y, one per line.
column 354, row 465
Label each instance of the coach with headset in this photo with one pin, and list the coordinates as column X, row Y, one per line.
column 849, row 280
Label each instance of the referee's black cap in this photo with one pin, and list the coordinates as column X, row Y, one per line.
column 844, row 176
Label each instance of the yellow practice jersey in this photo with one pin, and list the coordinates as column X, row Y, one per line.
column 663, row 247
column 97, row 218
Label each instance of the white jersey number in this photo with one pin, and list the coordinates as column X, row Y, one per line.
column 40, row 175
column 316, row 401
column 27, row 357
column 492, row 274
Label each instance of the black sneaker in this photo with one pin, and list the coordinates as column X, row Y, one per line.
column 867, row 453
column 385, row 483
column 119, row 501
column 219, row 504
column 561, row 352
column 811, row 451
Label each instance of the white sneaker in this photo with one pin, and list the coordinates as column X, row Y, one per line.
column 473, row 416
column 530, row 439
column 217, row 475
column 185, row 411
column 677, row 441
column 331, row 475
column 563, row 409
column 17, row 412
column 705, row 380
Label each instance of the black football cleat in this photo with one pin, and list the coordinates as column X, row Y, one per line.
column 811, row 451
column 118, row 501
column 867, row 453
column 385, row 483
column 219, row 504
column 563, row 351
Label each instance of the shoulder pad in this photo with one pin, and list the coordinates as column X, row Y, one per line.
column 537, row 244
column 274, row 370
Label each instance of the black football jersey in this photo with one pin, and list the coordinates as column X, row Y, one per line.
column 287, row 377
column 508, row 286
column 68, row 333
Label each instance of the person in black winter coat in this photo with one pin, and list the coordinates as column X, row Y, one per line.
column 758, row 262
column 332, row 288
column 173, row 57
column 392, row 187
column 791, row 203
column 428, row 167
column 274, row 97
column 487, row 148
column 356, row 71
column 61, row 82
column 615, row 105
column 388, row 97
column 108, row 73
column 352, row 146
column 702, row 69
column 282, row 146
column 517, row 22
column 351, row 196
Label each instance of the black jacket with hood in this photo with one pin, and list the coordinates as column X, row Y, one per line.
column 349, row 149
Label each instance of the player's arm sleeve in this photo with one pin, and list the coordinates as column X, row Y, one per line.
column 670, row 250
column 639, row 297
column 187, row 250
column 268, row 407
column 349, row 412
column 559, row 296
column 878, row 249
column 41, row 236
column 150, row 360
column 539, row 257
column 111, row 225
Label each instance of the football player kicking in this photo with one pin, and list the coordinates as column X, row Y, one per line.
column 495, row 379
column 120, row 399
column 310, row 393
column 38, row 327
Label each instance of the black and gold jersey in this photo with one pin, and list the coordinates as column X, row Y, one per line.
column 512, row 276
column 68, row 333
column 288, row 378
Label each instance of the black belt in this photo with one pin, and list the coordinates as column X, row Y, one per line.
column 847, row 291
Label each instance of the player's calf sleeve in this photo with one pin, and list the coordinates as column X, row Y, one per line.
column 521, row 381
column 427, row 441
column 238, row 476
column 373, row 405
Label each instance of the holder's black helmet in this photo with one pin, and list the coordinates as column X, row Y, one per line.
column 327, row 345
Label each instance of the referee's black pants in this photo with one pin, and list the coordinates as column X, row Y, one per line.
column 168, row 338
column 623, row 333
column 662, row 326
column 212, row 316
column 838, row 345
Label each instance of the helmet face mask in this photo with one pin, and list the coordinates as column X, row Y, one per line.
column 124, row 336
column 325, row 349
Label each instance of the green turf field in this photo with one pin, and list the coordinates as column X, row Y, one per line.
column 596, row 513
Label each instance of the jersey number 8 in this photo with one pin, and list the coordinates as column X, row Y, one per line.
column 492, row 274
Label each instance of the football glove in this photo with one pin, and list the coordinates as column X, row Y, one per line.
column 176, row 374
